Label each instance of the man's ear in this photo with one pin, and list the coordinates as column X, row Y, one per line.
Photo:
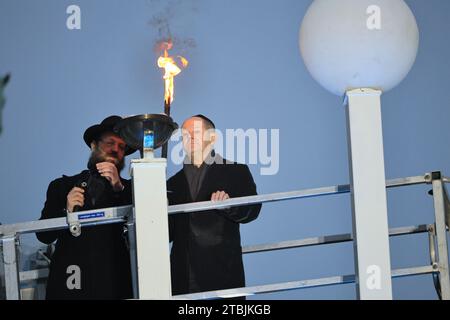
column 213, row 137
column 93, row 145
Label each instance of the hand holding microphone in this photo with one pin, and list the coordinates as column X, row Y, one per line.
column 75, row 198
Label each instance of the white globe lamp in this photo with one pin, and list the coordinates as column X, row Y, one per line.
column 347, row 44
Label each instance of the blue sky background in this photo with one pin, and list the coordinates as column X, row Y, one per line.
column 245, row 72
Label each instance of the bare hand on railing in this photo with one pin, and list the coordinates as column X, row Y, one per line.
column 75, row 198
column 219, row 196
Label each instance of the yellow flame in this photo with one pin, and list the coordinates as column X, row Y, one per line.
column 184, row 62
column 171, row 70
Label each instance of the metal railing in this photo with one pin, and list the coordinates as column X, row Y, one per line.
column 439, row 266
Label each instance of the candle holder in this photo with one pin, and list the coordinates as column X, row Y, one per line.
column 146, row 132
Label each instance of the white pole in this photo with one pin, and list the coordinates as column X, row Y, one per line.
column 368, row 192
column 152, row 232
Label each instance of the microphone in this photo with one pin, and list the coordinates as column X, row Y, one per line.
column 83, row 185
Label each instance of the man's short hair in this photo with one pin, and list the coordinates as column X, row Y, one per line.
column 208, row 122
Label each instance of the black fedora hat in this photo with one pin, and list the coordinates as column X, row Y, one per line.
column 107, row 125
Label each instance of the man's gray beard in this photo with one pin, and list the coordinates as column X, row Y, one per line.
column 98, row 156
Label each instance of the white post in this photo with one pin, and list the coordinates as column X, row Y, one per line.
column 152, row 232
column 368, row 192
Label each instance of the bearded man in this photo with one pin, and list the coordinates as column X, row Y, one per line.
column 96, row 264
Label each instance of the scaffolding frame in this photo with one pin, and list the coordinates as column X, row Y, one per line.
column 437, row 234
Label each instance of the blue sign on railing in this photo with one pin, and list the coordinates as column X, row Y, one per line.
column 91, row 215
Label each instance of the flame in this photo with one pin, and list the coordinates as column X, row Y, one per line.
column 171, row 70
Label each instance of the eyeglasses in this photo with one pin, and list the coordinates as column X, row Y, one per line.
column 111, row 143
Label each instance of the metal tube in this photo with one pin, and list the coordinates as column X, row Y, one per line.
column 441, row 236
column 109, row 215
column 447, row 206
column 339, row 238
column 315, row 241
column 281, row 196
column 131, row 233
column 293, row 285
column 11, row 267
column 165, row 145
column 303, row 284
column 249, row 200
column 408, row 181
column 33, row 274
column 119, row 214
column 433, row 260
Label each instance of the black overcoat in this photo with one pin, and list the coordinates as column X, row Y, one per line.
column 100, row 252
column 207, row 245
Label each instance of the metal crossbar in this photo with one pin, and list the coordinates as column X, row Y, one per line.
column 281, row 196
column 282, row 245
column 119, row 214
column 295, row 285
column 331, row 239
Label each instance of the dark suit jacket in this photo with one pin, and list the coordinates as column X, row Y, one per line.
column 100, row 252
column 207, row 245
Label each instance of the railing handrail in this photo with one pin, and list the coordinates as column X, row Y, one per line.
column 119, row 214
column 9, row 235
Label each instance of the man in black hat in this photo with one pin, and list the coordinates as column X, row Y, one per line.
column 206, row 252
column 95, row 265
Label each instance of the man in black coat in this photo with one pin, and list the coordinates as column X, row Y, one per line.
column 95, row 265
column 206, row 252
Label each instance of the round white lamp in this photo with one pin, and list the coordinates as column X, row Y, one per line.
column 361, row 48
column 348, row 44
